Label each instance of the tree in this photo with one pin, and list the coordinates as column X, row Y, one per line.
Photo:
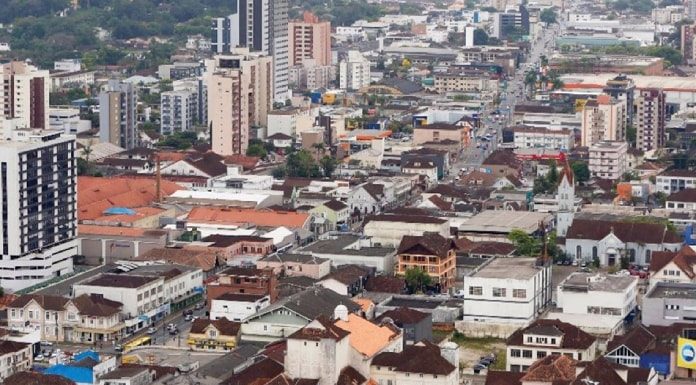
column 524, row 243
column 624, row 262
column 631, row 136
column 581, row 171
column 417, row 280
column 548, row 16
column 301, row 164
column 541, row 185
column 595, row 262
column 552, row 176
column 279, row 172
column 328, row 164
column 256, row 149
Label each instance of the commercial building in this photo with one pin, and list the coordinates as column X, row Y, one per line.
column 532, row 137
column 507, row 291
column 505, row 22
column 603, row 118
column 24, row 94
column 596, row 302
column 351, row 249
column 178, row 111
column 649, row 119
column 545, row 337
column 237, row 307
column 608, row 160
column 389, row 229
column 68, row 120
column 354, row 71
column 213, row 335
column 463, row 82
column 38, row 206
column 669, row 303
column 117, row 114
column 240, row 94
column 688, row 31
column 310, row 38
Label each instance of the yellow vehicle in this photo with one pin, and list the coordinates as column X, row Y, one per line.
column 140, row 341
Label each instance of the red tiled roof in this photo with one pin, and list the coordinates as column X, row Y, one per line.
column 571, row 336
column 685, row 259
column 428, row 244
column 238, row 216
column 557, row 369
column 625, row 231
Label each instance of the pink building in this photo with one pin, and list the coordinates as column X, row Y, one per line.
column 309, row 39
column 440, row 132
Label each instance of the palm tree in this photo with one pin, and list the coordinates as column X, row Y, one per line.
column 530, row 79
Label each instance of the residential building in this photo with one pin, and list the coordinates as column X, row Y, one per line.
column 389, row 229
column 240, row 94
column 354, row 72
column 416, row 325
column 629, row 348
column 623, row 88
column 335, row 212
column 291, row 121
column 310, row 38
column 38, row 206
column 669, row 303
column 68, row 120
column 259, row 26
column 36, row 378
column 243, row 280
column 603, row 119
column 73, row 79
column 673, row 266
column 502, row 162
column 649, row 119
column 608, row 160
column 178, row 111
column 532, row 137
column 423, row 362
column 523, row 285
column 590, row 238
column 118, row 115
column 595, row 302
column 688, row 31
column 680, row 201
column 463, row 82
column 427, row 169
column 296, row 265
column 15, row 357
column 672, row 181
column 128, row 375
column 213, row 335
column 348, row 280
column 24, row 94
column 431, row 253
column 352, row 249
column 440, row 132
column 199, row 89
column 237, row 307
column 292, row 313
column 504, row 22
column 546, row 337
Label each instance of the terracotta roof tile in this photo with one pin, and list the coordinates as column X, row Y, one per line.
column 403, row 316
column 599, row 371
column 320, row 328
column 625, row 231
column 551, row 368
column 386, row 284
column 423, row 357
column 260, row 372
column 202, row 258
column 639, row 340
column 350, row 376
column 366, row 337
column 95, row 305
column 35, row 378
column 685, row 259
column 496, row 377
column 224, row 326
column 136, row 232
column 237, row 216
column 47, row 302
column 428, row 244
column 572, row 337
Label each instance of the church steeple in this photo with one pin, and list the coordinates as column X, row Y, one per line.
column 566, row 200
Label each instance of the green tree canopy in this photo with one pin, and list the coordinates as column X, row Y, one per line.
column 417, row 280
column 548, row 16
column 526, row 244
column 581, row 171
column 302, row 164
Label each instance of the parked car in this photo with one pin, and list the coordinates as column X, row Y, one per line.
column 188, row 312
column 478, row 368
column 39, row 357
column 188, row 317
column 171, row 326
column 173, row 331
column 151, row 330
column 199, row 306
column 118, row 347
column 459, row 294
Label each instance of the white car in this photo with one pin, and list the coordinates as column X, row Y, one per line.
column 151, row 330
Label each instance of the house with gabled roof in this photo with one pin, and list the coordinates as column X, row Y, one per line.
column 422, row 361
column 335, row 212
column 290, row 314
column 368, row 198
column 431, row 253
column 627, row 349
column 673, row 266
column 213, row 335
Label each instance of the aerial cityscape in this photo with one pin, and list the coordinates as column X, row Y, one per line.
column 348, row 192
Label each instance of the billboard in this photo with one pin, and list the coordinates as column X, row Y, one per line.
column 686, row 353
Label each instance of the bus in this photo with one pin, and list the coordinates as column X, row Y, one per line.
column 134, row 343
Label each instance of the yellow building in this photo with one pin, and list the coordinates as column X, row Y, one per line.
column 431, row 253
column 209, row 335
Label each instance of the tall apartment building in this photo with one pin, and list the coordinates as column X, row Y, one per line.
column 691, row 9
column 622, row 88
column 260, row 25
column 239, row 97
column 310, row 39
column 603, row 119
column 504, row 21
column 117, row 114
column 24, row 94
column 688, row 31
column 198, row 87
column 37, row 205
column 354, row 71
column 178, row 111
column 608, row 160
column 649, row 119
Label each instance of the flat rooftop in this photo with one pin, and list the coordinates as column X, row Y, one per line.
column 502, row 221
column 673, row 291
column 508, row 268
column 597, row 282
column 344, row 244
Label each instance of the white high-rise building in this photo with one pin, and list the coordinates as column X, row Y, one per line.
column 260, row 25
column 24, row 91
column 178, row 111
column 117, row 114
column 354, row 72
column 37, row 206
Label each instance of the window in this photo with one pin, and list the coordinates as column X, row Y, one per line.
column 579, row 356
column 540, row 354
column 499, row 292
column 553, row 341
column 475, row 290
column 527, row 353
column 515, row 353
column 14, row 313
column 519, row 293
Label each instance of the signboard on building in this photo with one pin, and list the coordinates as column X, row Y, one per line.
column 686, row 353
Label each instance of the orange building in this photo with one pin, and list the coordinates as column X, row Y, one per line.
column 309, row 39
column 431, row 253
